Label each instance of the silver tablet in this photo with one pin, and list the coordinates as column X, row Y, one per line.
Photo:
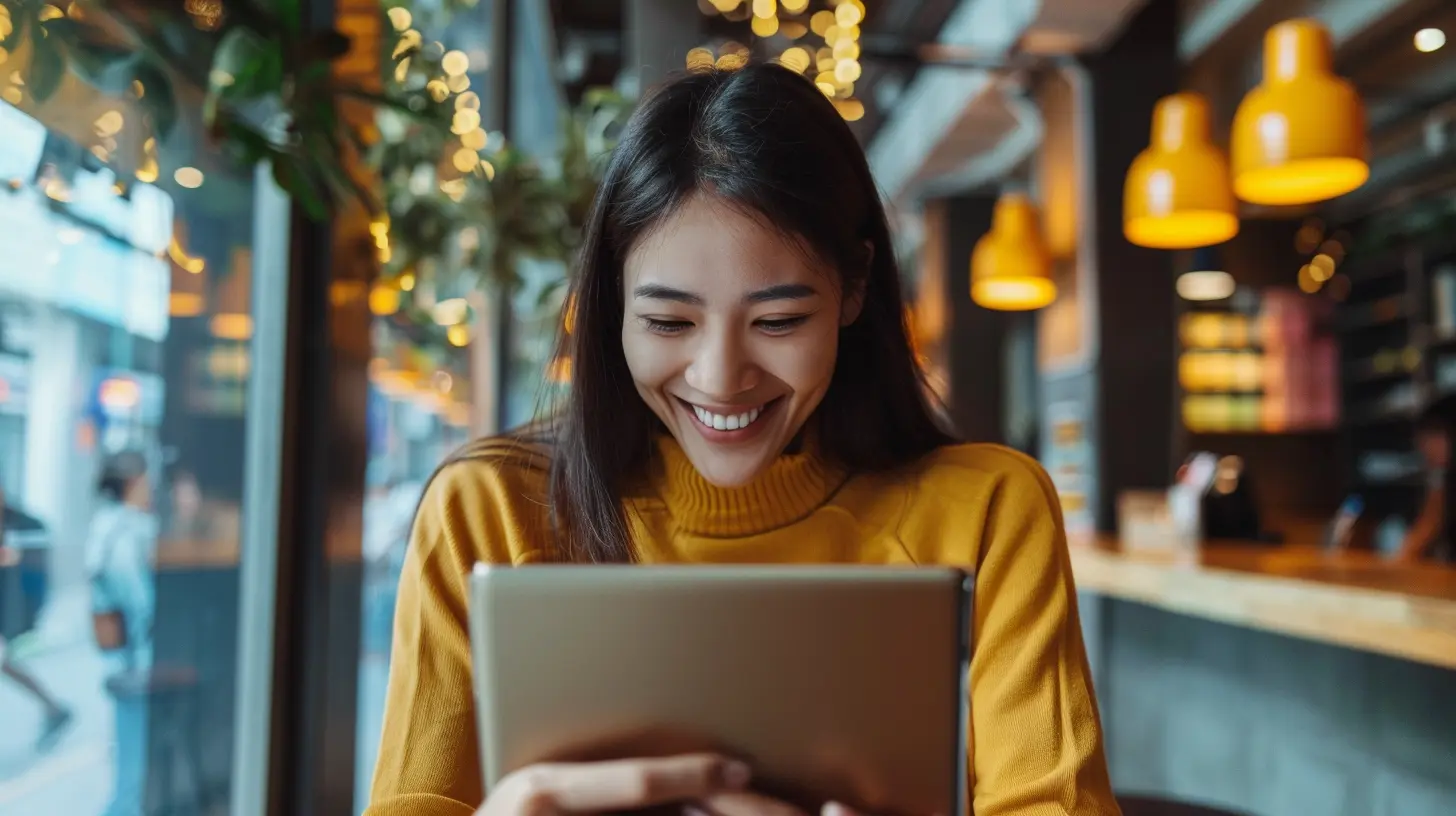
column 836, row 683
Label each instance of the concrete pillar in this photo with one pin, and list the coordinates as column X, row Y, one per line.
column 659, row 35
column 1107, row 347
column 58, row 472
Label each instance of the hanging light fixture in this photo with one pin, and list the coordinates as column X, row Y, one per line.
column 1177, row 194
column 1010, row 266
column 1207, row 280
column 1299, row 137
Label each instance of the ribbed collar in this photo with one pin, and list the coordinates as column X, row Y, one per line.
column 792, row 488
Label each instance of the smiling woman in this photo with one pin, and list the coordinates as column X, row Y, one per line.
column 743, row 390
column 731, row 334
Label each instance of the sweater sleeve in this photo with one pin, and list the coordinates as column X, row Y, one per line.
column 1035, row 733
column 428, row 761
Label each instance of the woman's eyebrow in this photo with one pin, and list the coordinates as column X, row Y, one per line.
column 656, row 291
column 783, row 291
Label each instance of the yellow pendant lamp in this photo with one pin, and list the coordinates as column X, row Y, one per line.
column 1177, row 194
column 1300, row 136
column 1010, row 266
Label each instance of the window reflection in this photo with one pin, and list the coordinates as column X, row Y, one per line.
column 125, row 280
column 418, row 413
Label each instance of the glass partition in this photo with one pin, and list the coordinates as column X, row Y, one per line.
column 126, row 261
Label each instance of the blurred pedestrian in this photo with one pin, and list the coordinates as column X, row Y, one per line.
column 1430, row 535
column 119, row 552
column 57, row 716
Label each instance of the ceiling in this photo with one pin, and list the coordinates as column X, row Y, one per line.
column 1410, row 102
column 590, row 36
column 1396, row 79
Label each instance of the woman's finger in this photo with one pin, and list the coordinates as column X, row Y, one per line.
column 637, row 783
column 746, row 803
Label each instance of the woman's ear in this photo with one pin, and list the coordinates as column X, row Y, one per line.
column 854, row 293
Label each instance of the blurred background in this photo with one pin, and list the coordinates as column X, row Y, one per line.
column 1196, row 256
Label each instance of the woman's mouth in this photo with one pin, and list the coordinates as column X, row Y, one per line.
column 727, row 422
column 725, row 425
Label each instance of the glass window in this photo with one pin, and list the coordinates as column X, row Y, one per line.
column 125, row 315
column 417, row 416
column 426, row 331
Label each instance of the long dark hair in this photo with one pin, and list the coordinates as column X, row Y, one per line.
column 119, row 472
column 765, row 139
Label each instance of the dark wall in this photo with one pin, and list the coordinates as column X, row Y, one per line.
column 977, row 335
column 1134, row 285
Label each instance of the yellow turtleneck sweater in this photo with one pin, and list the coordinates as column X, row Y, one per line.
column 1036, row 743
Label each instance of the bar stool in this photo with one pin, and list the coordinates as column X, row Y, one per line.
column 1154, row 806
column 170, row 692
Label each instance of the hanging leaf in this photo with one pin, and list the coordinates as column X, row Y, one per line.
column 104, row 65
column 158, row 98
column 177, row 37
column 13, row 24
column 47, row 65
column 248, row 145
column 290, row 175
column 246, row 66
column 288, row 14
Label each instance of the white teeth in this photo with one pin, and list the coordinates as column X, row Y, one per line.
column 726, row 422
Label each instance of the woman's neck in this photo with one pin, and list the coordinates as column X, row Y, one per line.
column 796, row 483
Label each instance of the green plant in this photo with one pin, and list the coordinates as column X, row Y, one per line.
column 463, row 205
column 270, row 92
column 455, row 208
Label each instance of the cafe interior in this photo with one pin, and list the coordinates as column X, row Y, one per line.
column 1196, row 257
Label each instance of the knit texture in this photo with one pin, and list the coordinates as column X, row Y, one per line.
column 1035, row 737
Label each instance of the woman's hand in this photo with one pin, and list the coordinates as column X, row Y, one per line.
column 594, row 787
column 748, row 803
column 704, row 784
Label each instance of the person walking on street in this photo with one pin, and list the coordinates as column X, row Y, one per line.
column 57, row 716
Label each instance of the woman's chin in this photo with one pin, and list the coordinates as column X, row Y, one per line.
column 729, row 467
column 728, row 472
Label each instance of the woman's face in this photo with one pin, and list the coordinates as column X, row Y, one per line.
column 731, row 332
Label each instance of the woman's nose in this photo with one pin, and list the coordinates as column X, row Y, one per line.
column 722, row 369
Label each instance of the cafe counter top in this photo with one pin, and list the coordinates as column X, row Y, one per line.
column 1352, row 599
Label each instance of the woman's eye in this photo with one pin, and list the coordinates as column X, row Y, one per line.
column 779, row 325
column 659, row 326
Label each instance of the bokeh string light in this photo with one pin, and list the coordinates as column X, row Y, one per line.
column 453, row 80
column 833, row 63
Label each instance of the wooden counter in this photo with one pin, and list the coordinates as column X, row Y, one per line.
column 1347, row 599
column 185, row 554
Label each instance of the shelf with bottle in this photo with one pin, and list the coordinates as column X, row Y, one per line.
column 1383, row 368
column 1270, row 367
column 1387, row 311
column 1441, row 332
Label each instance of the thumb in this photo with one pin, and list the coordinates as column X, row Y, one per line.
column 837, row 809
